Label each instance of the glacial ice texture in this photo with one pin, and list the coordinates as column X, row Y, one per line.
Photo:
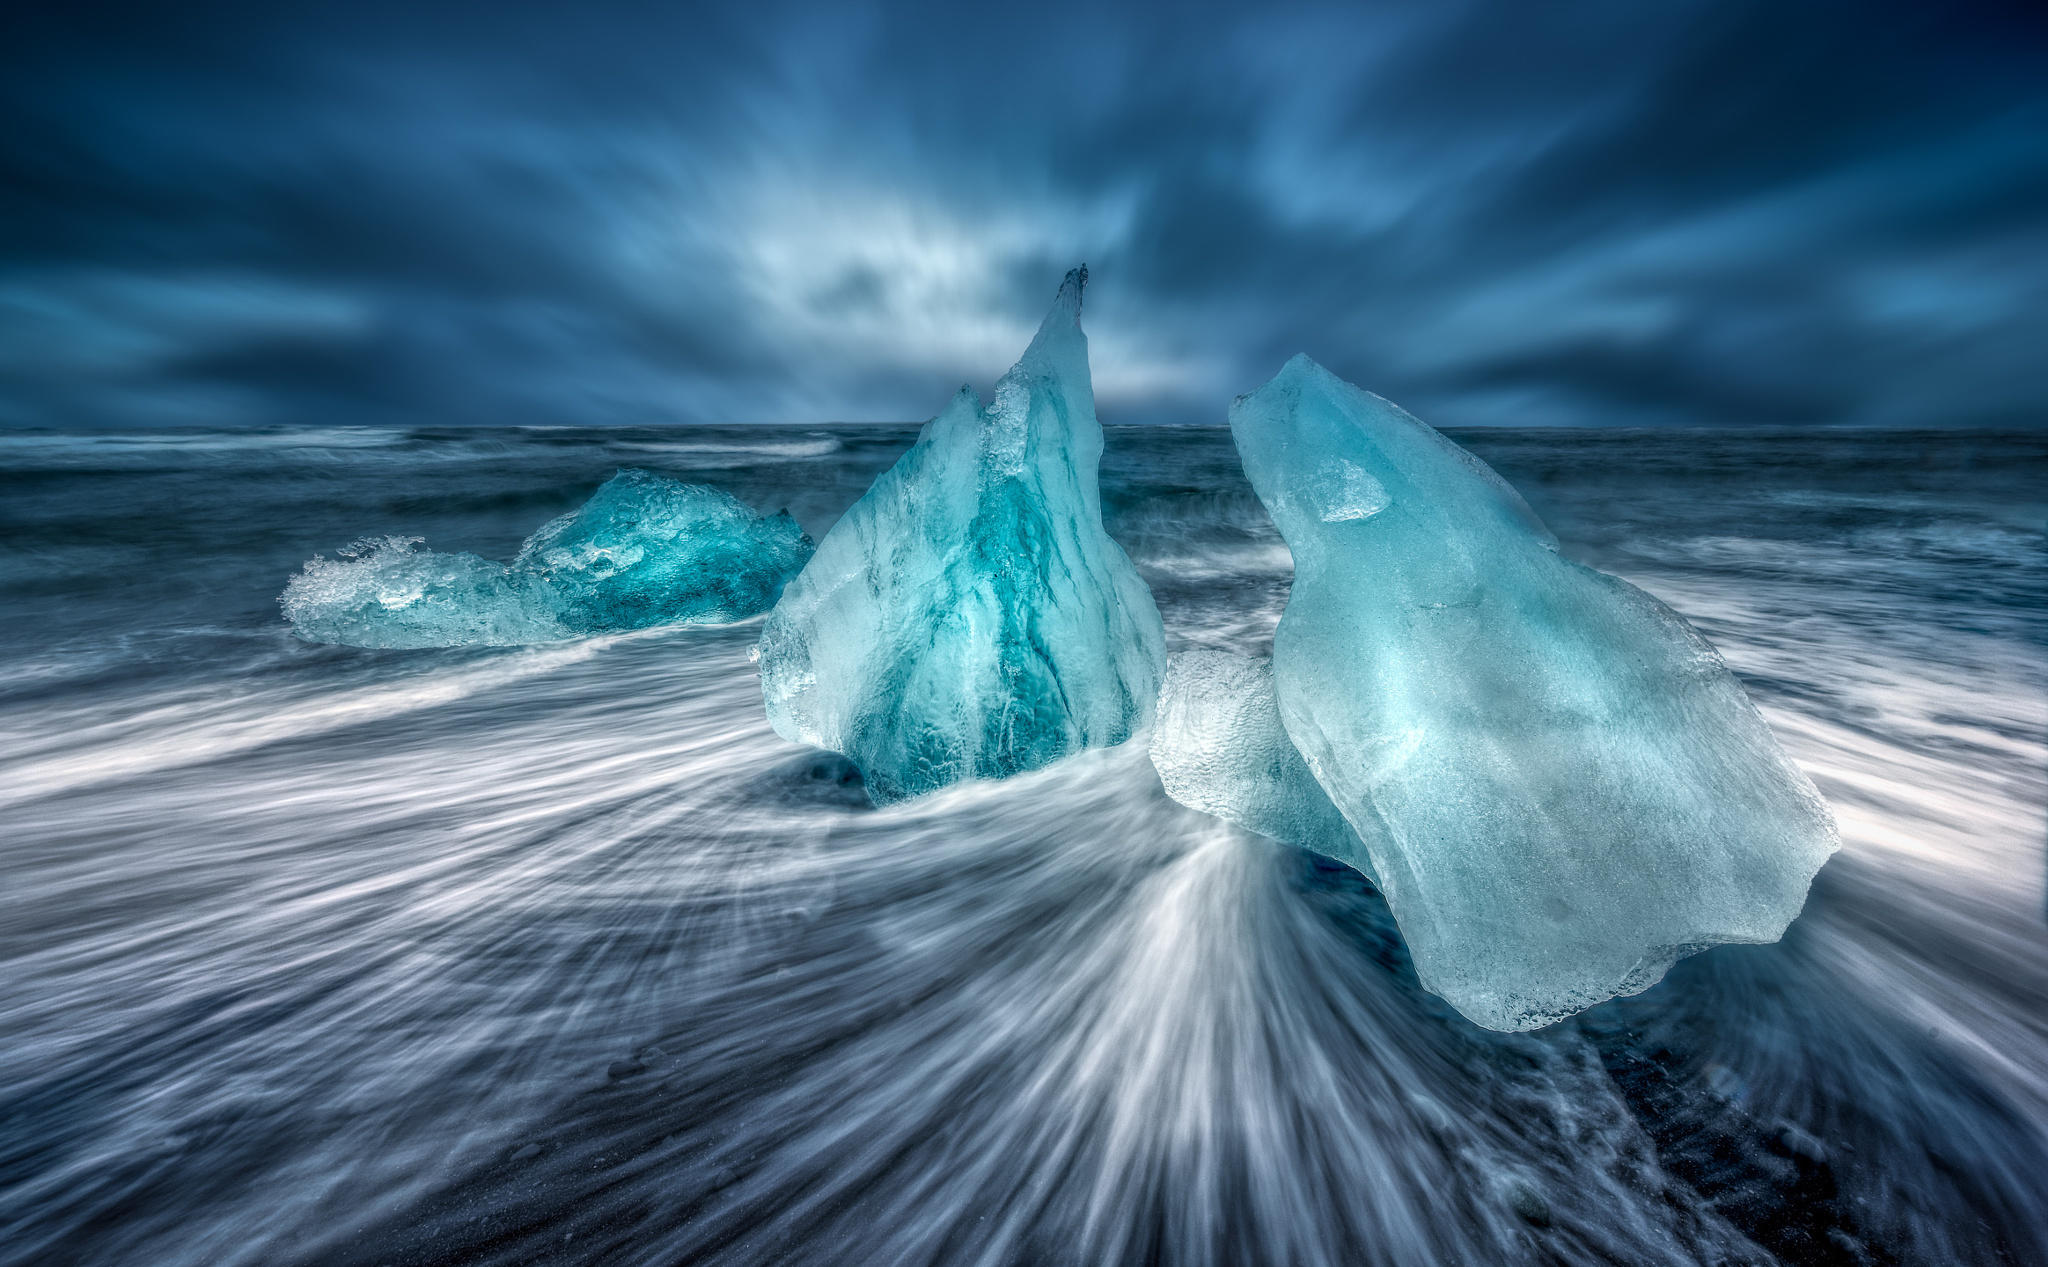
column 1219, row 747
column 645, row 550
column 1561, row 787
column 969, row 617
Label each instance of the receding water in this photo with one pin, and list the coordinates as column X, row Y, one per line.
column 318, row 955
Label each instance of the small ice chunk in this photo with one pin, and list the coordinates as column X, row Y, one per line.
column 1219, row 747
column 390, row 594
column 1561, row 787
column 969, row 617
column 645, row 550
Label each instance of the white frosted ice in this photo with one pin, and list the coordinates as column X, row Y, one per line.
column 1561, row 787
column 969, row 617
column 388, row 593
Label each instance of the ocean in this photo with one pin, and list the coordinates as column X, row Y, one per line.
column 311, row 954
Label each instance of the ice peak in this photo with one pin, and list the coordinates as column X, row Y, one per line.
column 1302, row 373
column 1060, row 348
column 1068, row 302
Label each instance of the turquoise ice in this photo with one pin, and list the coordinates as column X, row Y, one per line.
column 645, row 550
column 1219, row 746
column 1561, row 787
column 969, row 617
column 388, row 593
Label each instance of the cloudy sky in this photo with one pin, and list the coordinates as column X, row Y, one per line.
column 1626, row 213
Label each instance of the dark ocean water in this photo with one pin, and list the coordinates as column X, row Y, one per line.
column 558, row 954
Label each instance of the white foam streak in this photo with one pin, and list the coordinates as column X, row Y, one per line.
column 191, row 729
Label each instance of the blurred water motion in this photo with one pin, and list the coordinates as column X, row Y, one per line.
column 310, row 954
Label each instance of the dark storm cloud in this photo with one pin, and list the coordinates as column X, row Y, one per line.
column 1492, row 212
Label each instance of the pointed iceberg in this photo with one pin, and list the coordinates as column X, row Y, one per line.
column 1219, row 747
column 645, row 550
column 1561, row 787
column 969, row 617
